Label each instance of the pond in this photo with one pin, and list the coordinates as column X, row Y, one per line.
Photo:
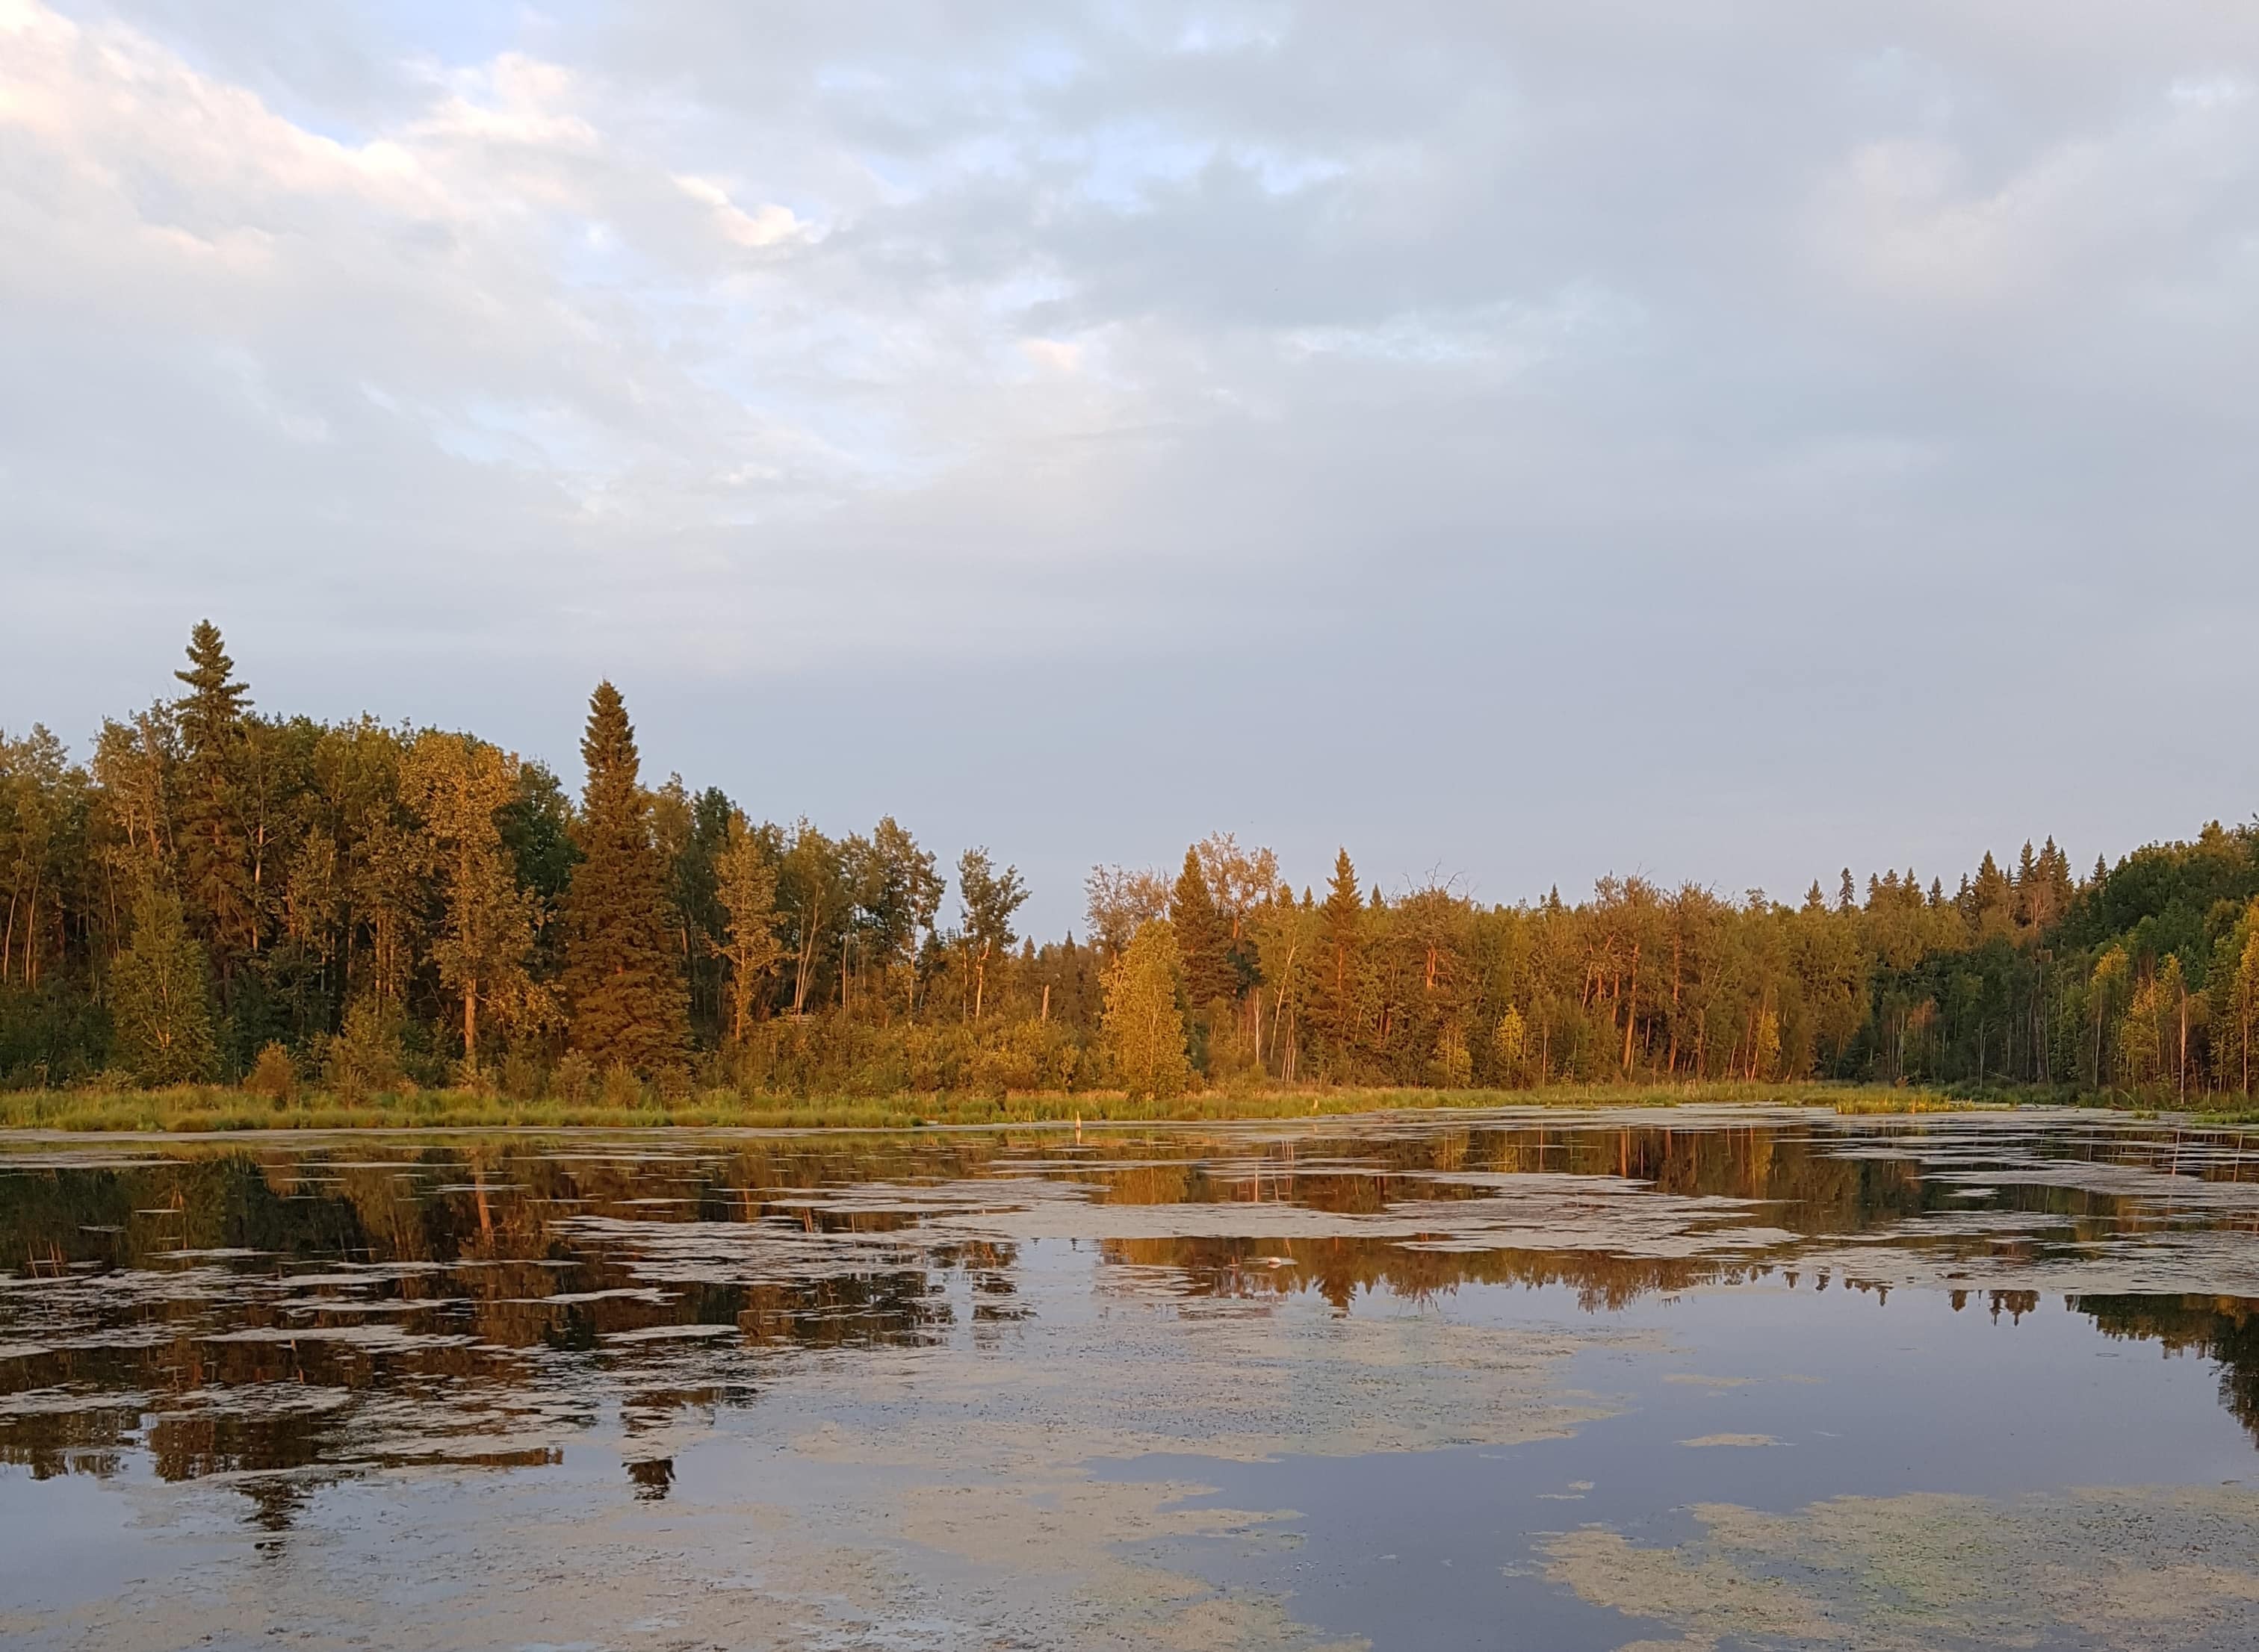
column 1697, row 1379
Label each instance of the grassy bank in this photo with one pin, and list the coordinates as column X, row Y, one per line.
column 208, row 1108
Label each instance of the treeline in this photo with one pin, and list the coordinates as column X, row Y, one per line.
column 220, row 894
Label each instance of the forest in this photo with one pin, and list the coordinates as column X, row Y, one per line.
column 220, row 894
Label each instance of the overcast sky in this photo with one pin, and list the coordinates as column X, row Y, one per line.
column 1519, row 442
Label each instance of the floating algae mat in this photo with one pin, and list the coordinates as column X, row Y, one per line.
column 1691, row 1379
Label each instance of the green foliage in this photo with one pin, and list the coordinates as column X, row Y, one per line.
column 1510, row 1044
column 1341, row 1010
column 745, row 888
column 368, row 1056
column 1144, row 1028
column 274, row 1075
column 1202, row 941
column 622, row 977
column 458, row 789
column 991, row 900
column 160, row 998
column 537, row 828
column 373, row 900
column 1454, row 1066
column 215, row 787
column 575, row 1076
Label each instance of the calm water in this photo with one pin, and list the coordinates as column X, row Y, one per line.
column 1694, row 1379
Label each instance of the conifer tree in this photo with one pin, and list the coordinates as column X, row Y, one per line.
column 1340, row 964
column 159, row 998
column 622, row 983
column 1989, row 897
column 1202, row 941
column 214, row 872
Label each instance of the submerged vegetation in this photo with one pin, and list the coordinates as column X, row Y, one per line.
column 230, row 917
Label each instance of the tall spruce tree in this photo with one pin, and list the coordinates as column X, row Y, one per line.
column 215, row 861
column 623, row 979
column 1337, row 979
column 1202, row 940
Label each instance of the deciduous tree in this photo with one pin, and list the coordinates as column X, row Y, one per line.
column 460, row 786
column 746, row 885
column 1144, row 1027
column 160, row 996
column 989, row 899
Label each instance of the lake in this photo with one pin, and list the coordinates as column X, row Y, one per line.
column 1693, row 1378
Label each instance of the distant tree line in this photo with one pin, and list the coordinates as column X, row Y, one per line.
column 220, row 894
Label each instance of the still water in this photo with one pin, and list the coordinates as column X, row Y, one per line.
column 1694, row 1379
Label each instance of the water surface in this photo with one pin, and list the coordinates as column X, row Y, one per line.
column 1689, row 1378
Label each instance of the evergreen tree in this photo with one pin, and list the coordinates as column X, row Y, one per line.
column 2055, row 885
column 622, row 984
column 215, row 862
column 159, row 998
column 2030, row 899
column 1334, row 986
column 1202, row 941
column 1991, row 897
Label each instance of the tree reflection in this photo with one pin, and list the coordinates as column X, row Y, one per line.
column 2225, row 1330
column 264, row 1312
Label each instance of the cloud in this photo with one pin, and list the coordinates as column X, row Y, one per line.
column 1564, row 410
column 764, row 227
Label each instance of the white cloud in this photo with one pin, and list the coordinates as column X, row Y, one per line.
column 765, row 225
column 1308, row 372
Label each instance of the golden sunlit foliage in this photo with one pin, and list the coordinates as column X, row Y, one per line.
column 219, row 891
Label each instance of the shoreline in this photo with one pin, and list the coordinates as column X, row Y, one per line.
column 64, row 1117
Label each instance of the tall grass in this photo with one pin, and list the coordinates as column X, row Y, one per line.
column 212, row 1108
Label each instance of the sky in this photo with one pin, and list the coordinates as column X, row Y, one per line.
column 1516, row 441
